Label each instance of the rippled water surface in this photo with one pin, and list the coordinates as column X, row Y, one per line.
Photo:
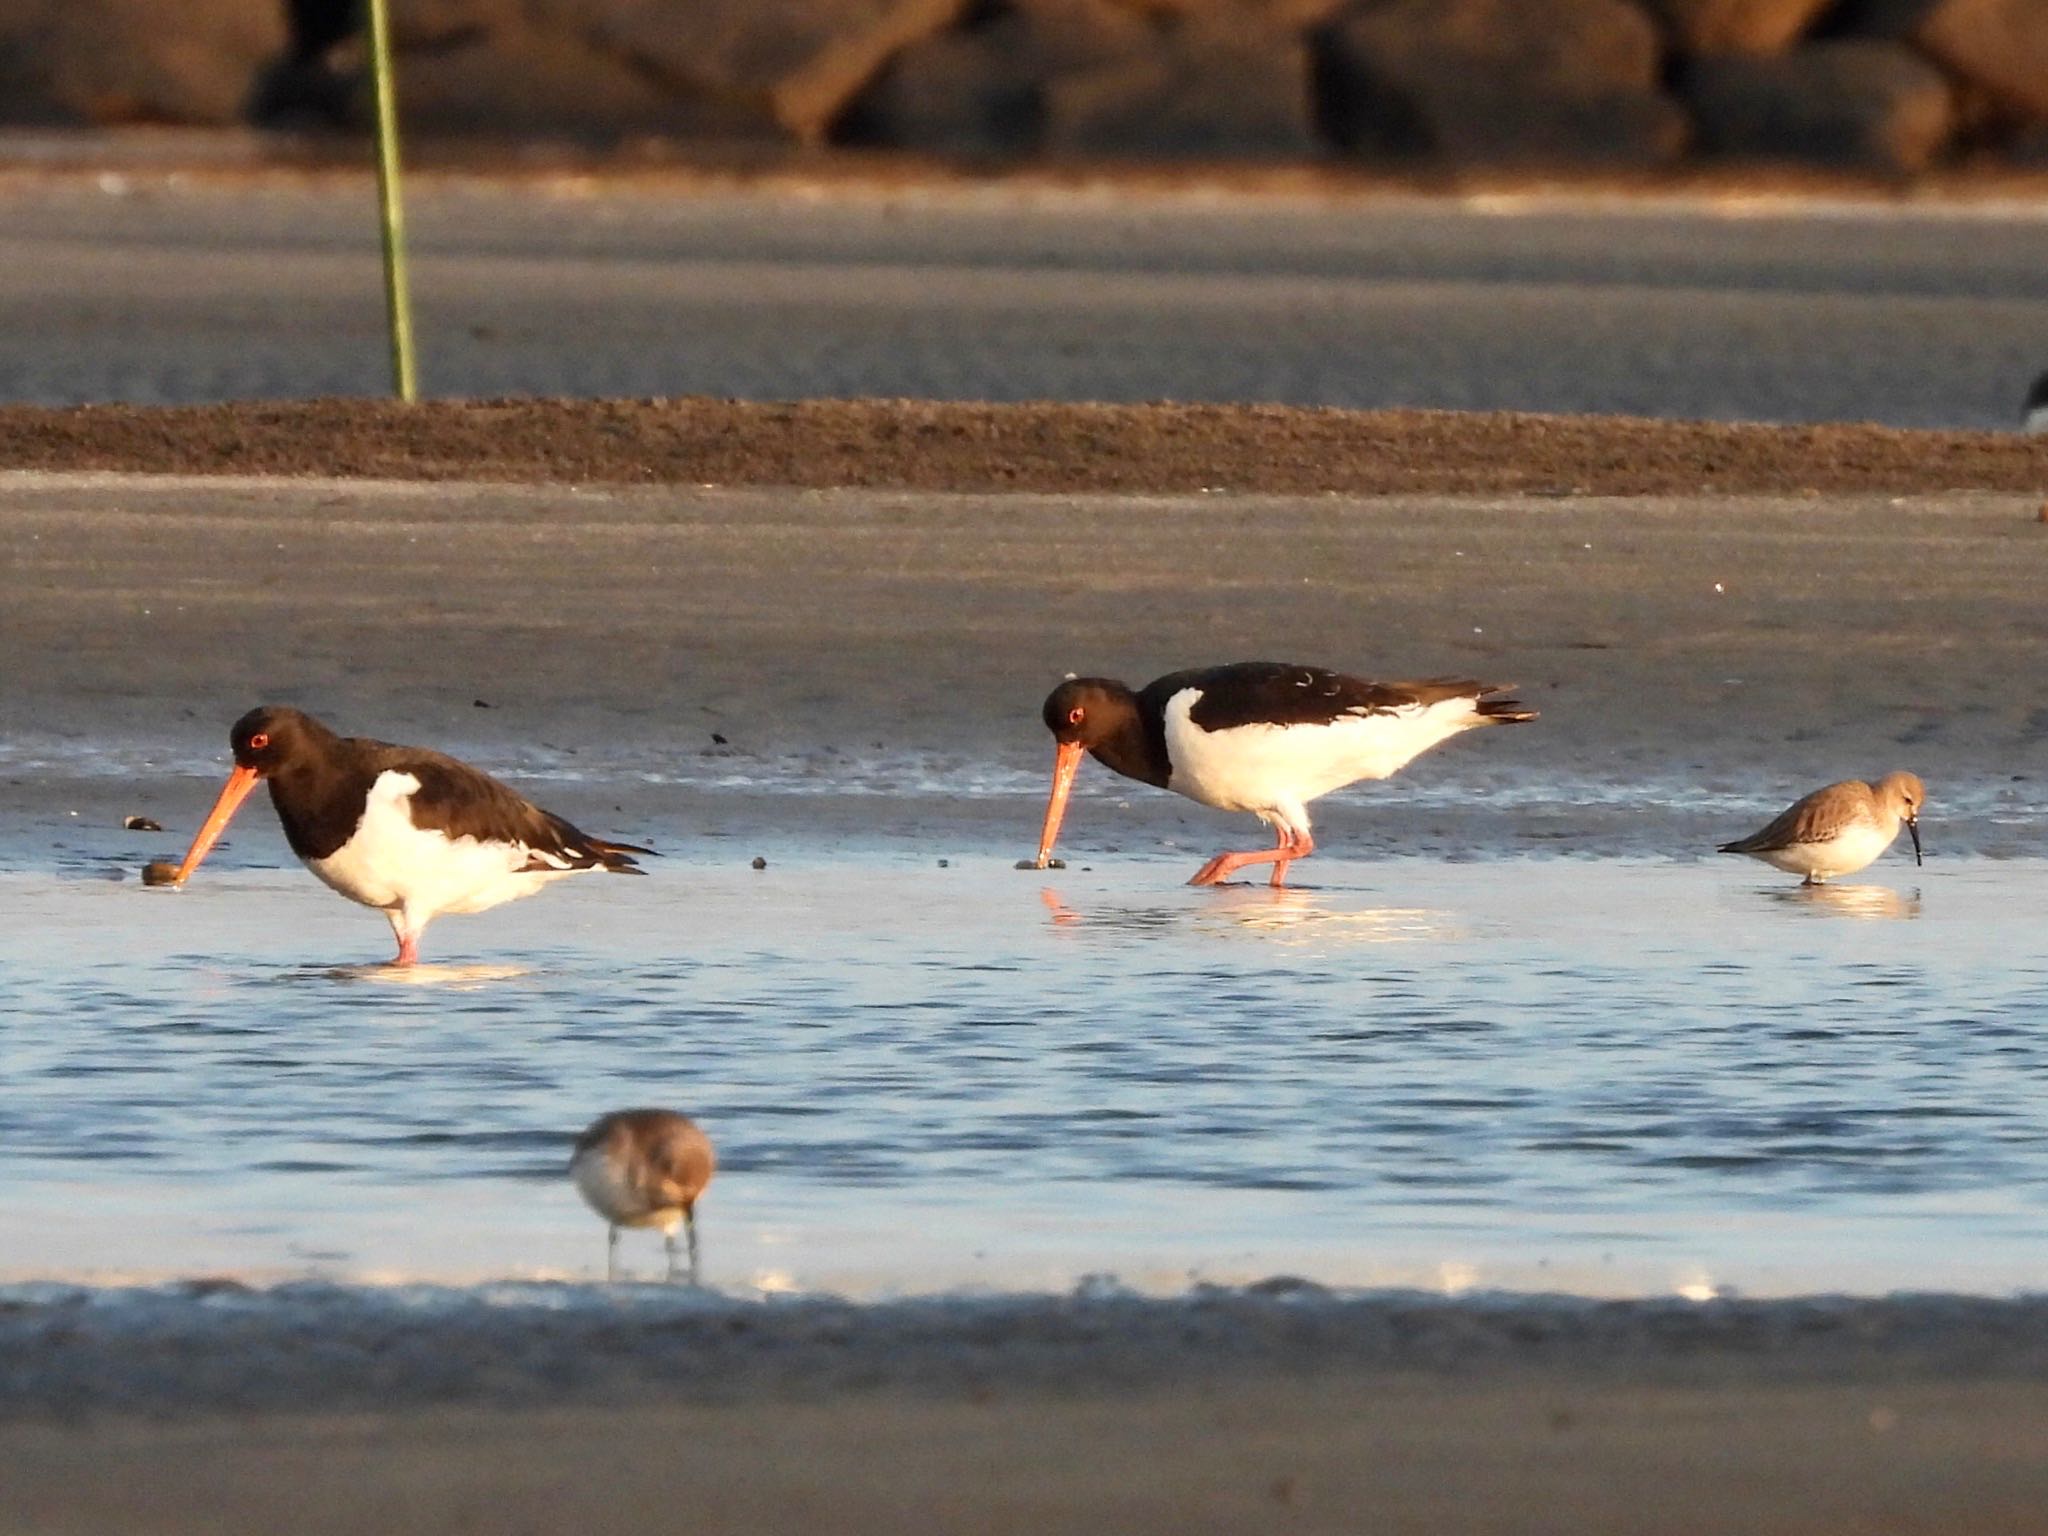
column 1598, row 1076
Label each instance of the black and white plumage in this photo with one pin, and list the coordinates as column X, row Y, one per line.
column 644, row 1168
column 2034, row 411
column 410, row 831
column 1259, row 736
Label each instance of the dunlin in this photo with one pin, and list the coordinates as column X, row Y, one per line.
column 1839, row 829
column 644, row 1168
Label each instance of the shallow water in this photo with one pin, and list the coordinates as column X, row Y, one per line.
column 1605, row 1077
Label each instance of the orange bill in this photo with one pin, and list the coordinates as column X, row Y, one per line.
column 232, row 794
column 1064, row 767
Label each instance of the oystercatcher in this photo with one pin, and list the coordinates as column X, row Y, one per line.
column 1839, row 829
column 1258, row 736
column 644, row 1168
column 409, row 831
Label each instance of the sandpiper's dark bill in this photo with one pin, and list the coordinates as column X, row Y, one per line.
column 1839, row 828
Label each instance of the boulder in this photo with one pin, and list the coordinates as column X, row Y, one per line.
column 1211, row 89
column 2000, row 46
column 134, row 61
column 1500, row 82
column 802, row 61
column 1854, row 103
column 981, row 90
column 1737, row 26
column 447, row 23
column 522, row 81
column 1281, row 15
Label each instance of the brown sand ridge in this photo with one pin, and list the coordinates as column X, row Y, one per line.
column 936, row 446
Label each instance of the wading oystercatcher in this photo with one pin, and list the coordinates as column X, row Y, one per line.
column 1258, row 736
column 644, row 1168
column 409, row 831
column 1839, row 829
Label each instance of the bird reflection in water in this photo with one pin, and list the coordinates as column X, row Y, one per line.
column 461, row 978
column 1865, row 901
column 1284, row 914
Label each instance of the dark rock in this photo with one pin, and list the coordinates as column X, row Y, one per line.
column 134, row 61
column 1268, row 15
column 1500, row 82
column 1737, row 26
column 159, row 872
column 1855, row 104
column 523, row 82
column 1209, row 91
column 802, row 62
column 1999, row 45
column 140, row 824
column 981, row 90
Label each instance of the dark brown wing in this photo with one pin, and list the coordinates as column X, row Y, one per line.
column 461, row 801
column 1281, row 693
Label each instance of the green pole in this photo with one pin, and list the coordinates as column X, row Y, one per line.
column 391, row 207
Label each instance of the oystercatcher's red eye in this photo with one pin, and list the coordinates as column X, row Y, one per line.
column 259, row 741
column 1075, row 715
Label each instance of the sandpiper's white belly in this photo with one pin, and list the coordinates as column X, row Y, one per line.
column 388, row 862
column 602, row 1181
column 1846, row 852
column 1282, row 767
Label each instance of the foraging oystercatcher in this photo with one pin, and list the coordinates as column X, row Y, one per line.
column 1258, row 736
column 644, row 1168
column 1839, row 829
column 412, row 832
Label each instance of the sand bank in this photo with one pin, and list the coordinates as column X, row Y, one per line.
column 1736, row 644
column 1285, row 1409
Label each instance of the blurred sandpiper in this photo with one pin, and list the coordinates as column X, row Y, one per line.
column 644, row 1168
column 1839, row 829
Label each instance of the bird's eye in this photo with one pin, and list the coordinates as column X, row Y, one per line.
column 259, row 741
column 1076, row 715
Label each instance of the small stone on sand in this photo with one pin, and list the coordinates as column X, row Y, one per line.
column 159, row 872
column 759, row 862
column 1049, row 863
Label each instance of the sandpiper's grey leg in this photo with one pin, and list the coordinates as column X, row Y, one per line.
column 611, row 1253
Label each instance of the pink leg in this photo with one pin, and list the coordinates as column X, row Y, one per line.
column 1296, row 848
column 408, row 938
column 1286, row 849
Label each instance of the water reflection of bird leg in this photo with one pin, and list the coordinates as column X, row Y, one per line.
column 1062, row 914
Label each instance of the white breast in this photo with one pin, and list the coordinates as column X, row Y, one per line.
column 388, row 862
column 601, row 1180
column 1849, row 850
column 1278, row 768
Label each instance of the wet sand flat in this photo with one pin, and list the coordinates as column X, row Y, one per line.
column 1520, row 1458
column 1736, row 643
